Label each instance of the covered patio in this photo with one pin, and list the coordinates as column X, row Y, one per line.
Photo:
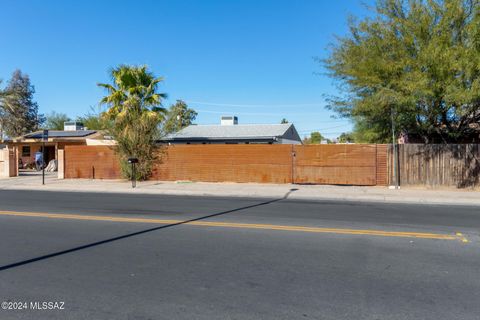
column 21, row 150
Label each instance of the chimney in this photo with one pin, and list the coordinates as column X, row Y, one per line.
column 228, row 120
column 72, row 126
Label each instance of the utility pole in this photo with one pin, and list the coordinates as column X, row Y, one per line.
column 395, row 154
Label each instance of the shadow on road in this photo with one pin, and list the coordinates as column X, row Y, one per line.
column 94, row 244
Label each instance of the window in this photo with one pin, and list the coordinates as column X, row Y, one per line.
column 26, row 151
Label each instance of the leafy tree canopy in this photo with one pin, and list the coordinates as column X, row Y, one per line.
column 284, row 121
column 18, row 112
column 315, row 138
column 55, row 121
column 346, row 137
column 95, row 119
column 418, row 60
column 179, row 116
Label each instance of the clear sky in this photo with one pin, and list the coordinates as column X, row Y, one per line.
column 254, row 59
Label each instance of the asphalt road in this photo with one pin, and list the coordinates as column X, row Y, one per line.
column 219, row 258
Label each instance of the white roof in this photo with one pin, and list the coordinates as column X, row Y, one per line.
column 239, row 131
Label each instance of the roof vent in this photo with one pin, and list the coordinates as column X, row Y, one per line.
column 228, row 120
column 73, row 126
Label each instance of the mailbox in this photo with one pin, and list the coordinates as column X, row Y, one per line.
column 132, row 160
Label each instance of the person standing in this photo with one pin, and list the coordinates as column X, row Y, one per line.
column 38, row 160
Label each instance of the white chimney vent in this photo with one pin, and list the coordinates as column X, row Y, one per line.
column 72, row 126
column 228, row 120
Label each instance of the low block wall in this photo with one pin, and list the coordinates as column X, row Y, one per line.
column 315, row 164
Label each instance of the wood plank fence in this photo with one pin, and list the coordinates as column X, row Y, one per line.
column 437, row 165
column 315, row 164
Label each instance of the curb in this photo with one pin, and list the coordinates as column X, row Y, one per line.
column 363, row 198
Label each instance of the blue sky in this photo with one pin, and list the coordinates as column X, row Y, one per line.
column 254, row 59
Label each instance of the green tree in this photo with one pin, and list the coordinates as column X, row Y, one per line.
column 346, row 137
column 415, row 61
column 55, row 121
column 284, row 121
column 134, row 107
column 179, row 116
column 3, row 95
column 315, row 138
column 95, row 120
column 18, row 110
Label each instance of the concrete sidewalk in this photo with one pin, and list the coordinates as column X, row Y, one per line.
column 304, row 192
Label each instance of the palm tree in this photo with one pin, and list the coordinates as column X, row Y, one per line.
column 135, row 111
column 134, row 89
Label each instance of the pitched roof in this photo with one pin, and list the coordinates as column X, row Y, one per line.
column 239, row 131
column 60, row 134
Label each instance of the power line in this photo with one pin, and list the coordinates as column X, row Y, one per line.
column 273, row 114
column 317, row 129
column 255, row 105
column 337, row 132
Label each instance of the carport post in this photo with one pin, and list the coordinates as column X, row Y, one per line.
column 44, row 138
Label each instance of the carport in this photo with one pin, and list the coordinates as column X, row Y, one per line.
column 21, row 150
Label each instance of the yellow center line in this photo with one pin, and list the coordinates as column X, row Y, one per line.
column 382, row 233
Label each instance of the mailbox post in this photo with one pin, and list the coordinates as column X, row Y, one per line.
column 133, row 162
column 44, row 139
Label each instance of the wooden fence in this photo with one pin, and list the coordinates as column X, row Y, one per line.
column 316, row 164
column 437, row 165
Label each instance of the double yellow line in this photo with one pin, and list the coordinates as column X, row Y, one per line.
column 422, row 235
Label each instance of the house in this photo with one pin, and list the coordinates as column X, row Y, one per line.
column 26, row 146
column 230, row 132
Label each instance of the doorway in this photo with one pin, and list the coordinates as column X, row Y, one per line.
column 49, row 154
